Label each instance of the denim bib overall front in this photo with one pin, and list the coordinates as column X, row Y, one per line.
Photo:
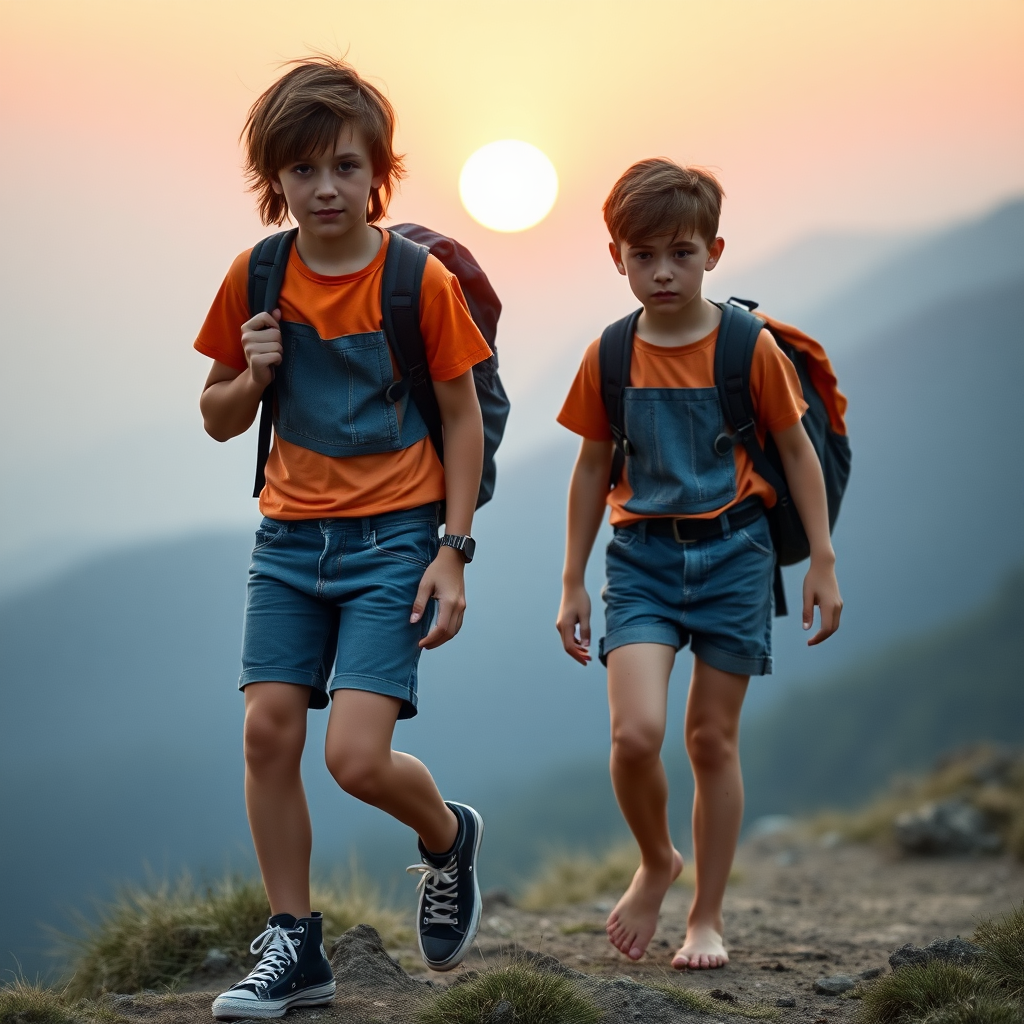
column 332, row 395
column 672, row 466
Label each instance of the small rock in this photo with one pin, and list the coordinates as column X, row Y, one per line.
column 502, row 1013
column 722, row 995
column 871, row 972
column 835, row 985
column 945, row 827
column 777, row 966
column 785, row 1001
column 216, row 961
column 954, row 951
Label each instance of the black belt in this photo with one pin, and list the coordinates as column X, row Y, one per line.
column 686, row 531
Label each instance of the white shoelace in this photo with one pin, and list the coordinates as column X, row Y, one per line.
column 440, row 886
column 276, row 949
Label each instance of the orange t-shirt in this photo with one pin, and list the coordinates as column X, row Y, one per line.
column 301, row 483
column 774, row 387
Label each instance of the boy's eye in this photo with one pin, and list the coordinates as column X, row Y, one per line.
column 345, row 166
column 302, row 169
column 682, row 254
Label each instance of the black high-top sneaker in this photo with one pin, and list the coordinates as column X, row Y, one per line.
column 293, row 971
column 449, row 906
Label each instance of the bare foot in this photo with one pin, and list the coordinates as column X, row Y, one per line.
column 633, row 922
column 702, row 949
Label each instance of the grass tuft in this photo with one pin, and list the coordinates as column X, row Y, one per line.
column 155, row 938
column 700, row 1002
column 22, row 1003
column 1002, row 942
column 917, row 993
column 529, row 997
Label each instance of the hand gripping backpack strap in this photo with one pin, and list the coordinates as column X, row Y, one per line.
column 734, row 355
column 267, row 264
column 615, row 354
column 400, row 312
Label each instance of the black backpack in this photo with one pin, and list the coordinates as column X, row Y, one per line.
column 400, row 307
column 734, row 354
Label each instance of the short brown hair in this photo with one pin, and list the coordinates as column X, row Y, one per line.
column 300, row 116
column 657, row 196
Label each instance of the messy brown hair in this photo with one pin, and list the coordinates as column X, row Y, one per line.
column 657, row 196
column 300, row 116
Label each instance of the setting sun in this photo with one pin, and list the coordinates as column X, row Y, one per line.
column 508, row 185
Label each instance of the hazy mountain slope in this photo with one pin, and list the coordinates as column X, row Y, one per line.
column 800, row 278
column 935, row 509
column 830, row 744
column 953, row 261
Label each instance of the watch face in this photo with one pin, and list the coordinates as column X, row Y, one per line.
column 469, row 549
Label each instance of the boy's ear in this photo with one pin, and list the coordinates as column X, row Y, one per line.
column 715, row 250
column 617, row 258
column 378, row 180
column 275, row 184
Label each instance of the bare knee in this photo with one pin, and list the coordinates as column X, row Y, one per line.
column 636, row 743
column 710, row 748
column 273, row 741
column 360, row 773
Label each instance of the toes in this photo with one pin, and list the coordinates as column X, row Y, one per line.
column 635, row 953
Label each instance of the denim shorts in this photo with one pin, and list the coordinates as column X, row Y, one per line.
column 714, row 594
column 336, row 594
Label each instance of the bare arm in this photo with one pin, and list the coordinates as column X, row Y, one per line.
column 588, row 491
column 807, row 486
column 231, row 397
column 463, row 464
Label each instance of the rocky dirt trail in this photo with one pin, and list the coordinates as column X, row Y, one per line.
column 798, row 912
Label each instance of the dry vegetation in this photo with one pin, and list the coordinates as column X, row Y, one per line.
column 22, row 1003
column 990, row 779
column 158, row 937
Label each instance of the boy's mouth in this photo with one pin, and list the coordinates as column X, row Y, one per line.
column 328, row 214
column 664, row 295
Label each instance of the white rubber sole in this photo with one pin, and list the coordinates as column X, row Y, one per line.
column 228, row 1007
column 474, row 925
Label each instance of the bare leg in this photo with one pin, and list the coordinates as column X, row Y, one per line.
column 359, row 756
column 712, row 741
column 275, row 733
column 637, row 695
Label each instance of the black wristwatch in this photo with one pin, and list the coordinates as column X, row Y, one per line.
column 465, row 546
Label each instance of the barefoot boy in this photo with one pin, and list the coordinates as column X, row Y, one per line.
column 347, row 563
column 691, row 559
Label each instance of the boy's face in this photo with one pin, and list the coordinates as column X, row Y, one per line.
column 665, row 272
column 327, row 193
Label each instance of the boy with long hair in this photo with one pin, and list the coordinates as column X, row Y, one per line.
column 347, row 567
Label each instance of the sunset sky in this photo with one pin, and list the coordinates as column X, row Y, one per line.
column 125, row 202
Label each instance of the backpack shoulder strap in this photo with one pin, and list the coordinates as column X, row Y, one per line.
column 400, row 312
column 734, row 355
column 267, row 264
column 616, row 358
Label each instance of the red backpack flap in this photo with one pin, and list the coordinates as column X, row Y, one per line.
column 819, row 367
